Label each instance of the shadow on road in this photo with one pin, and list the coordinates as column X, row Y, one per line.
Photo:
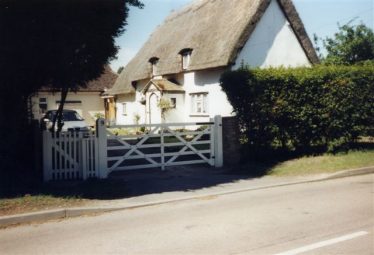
column 181, row 178
column 134, row 183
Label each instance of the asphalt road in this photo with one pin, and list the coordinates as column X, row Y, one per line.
column 329, row 217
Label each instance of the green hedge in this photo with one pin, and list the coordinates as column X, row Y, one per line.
column 300, row 109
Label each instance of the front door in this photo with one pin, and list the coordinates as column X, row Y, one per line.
column 110, row 113
column 154, row 112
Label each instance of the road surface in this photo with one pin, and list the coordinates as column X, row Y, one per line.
column 328, row 217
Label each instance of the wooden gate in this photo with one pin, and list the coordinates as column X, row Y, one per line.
column 77, row 155
column 69, row 155
column 164, row 145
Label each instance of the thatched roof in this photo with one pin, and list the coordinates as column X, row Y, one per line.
column 216, row 31
column 101, row 84
column 105, row 81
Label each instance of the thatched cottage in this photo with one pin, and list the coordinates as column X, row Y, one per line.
column 90, row 101
column 183, row 59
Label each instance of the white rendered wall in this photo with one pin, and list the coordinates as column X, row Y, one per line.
column 206, row 81
column 125, row 116
column 133, row 107
column 176, row 114
column 272, row 43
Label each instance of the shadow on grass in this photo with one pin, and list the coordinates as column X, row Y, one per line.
column 369, row 145
column 89, row 189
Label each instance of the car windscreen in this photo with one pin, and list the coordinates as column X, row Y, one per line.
column 69, row 116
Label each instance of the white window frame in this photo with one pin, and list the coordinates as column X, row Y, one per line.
column 124, row 108
column 154, row 68
column 199, row 103
column 186, row 58
column 154, row 62
column 173, row 101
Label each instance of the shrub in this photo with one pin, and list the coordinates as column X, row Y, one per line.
column 300, row 109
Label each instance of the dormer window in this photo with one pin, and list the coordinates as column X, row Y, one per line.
column 186, row 58
column 154, row 61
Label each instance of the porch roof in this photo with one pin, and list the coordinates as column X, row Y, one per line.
column 164, row 85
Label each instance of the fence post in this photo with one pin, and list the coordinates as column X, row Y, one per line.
column 102, row 148
column 83, row 155
column 212, row 142
column 162, row 148
column 47, row 156
column 38, row 149
column 218, row 148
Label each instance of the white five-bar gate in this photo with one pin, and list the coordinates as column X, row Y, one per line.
column 77, row 155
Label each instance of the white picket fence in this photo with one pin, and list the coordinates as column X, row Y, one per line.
column 77, row 155
column 70, row 155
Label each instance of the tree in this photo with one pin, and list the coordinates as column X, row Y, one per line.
column 352, row 44
column 165, row 105
column 120, row 69
column 62, row 44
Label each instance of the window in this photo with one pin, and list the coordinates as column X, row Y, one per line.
column 124, row 109
column 43, row 105
column 173, row 102
column 154, row 61
column 199, row 103
column 186, row 61
column 186, row 58
column 154, row 68
column 70, row 102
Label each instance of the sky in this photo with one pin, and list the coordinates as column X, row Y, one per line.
column 320, row 17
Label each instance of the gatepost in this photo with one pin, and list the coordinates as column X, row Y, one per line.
column 47, row 156
column 102, row 148
column 218, row 148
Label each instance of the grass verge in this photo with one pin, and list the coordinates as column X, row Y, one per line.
column 32, row 203
column 60, row 195
column 323, row 164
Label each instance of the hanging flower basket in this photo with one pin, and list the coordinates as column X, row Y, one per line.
column 142, row 100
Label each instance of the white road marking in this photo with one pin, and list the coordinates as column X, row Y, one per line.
column 323, row 243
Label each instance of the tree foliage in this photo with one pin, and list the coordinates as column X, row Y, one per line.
column 62, row 44
column 301, row 109
column 58, row 43
column 350, row 45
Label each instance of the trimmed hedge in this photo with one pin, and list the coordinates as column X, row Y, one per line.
column 298, row 109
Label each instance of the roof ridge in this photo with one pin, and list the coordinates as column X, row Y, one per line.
column 194, row 5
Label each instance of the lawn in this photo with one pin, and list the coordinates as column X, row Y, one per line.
column 327, row 163
column 63, row 195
